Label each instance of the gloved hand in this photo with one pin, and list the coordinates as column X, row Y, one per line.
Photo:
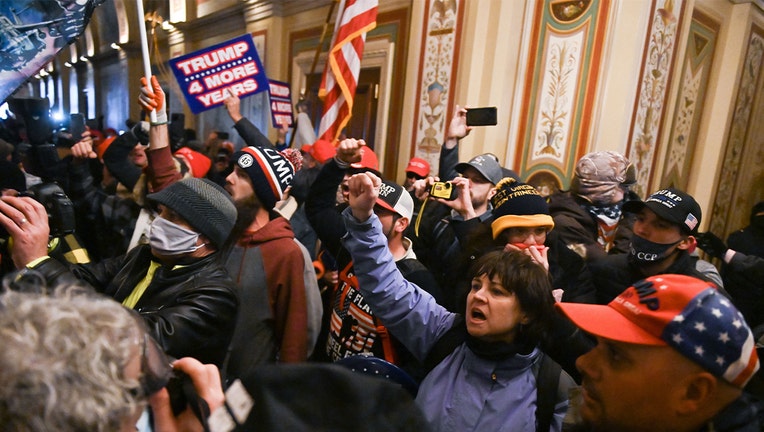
column 711, row 244
column 152, row 99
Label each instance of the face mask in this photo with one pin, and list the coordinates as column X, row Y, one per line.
column 168, row 238
column 644, row 252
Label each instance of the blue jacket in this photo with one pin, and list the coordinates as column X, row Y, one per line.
column 463, row 392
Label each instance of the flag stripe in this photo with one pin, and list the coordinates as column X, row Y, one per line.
column 338, row 85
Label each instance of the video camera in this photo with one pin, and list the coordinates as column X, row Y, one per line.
column 39, row 153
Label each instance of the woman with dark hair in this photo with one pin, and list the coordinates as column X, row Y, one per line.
column 485, row 363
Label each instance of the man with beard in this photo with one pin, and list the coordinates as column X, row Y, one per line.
column 444, row 222
column 664, row 230
column 273, row 270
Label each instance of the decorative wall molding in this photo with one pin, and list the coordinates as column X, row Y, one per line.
column 741, row 180
column 436, row 77
column 564, row 65
column 688, row 111
column 652, row 94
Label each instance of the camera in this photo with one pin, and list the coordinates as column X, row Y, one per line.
column 183, row 394
column 444, row 190
column 60, row 209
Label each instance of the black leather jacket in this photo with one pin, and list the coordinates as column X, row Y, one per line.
column 190, row 309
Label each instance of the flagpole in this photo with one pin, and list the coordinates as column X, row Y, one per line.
column 145, row 51
column 323, row 37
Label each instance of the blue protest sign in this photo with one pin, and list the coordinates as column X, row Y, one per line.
column 205, row 75
column 281, row 104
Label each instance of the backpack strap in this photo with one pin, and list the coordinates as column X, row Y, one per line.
column 408, row 266
column 391, row 355
column 548, row 391
column 446, row 344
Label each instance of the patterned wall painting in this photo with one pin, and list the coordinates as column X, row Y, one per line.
column 566, row 48
column 653, row 89
column 688, row 111
column 741, row 181
column 437, row 69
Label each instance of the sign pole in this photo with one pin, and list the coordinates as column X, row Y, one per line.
column 145, row 51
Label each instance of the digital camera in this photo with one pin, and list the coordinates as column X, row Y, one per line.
column 60, row 209
column 444, row 190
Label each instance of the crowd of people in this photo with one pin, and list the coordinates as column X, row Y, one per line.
column 265, row 268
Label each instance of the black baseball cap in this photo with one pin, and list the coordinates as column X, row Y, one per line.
column 672, row 205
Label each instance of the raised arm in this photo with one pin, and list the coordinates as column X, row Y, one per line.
column 411, row 314
column 161, row 169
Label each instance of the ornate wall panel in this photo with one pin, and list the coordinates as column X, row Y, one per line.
column 437, row 70
column 647, row 121
column 688, row 111
column 566, row 49
column 741, row 181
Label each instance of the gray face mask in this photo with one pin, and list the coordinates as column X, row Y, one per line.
column 168, row 238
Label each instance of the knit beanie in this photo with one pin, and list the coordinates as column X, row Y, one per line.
column 271, row 173
column 294, row 156
column 205, row 205
column 518, row 204
column 599, row 174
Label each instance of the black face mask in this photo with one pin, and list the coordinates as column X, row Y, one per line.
column 643, row 252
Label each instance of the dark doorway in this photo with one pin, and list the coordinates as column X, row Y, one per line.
column 363, row 122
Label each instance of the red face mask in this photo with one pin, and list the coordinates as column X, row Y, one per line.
column 522, row 246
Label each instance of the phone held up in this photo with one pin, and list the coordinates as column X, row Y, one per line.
column 76, row 126
column 481, row 116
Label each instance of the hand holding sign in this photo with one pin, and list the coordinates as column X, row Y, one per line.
column 233, row 106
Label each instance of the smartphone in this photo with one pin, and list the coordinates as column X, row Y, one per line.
column 481, row 116
column 76, row 126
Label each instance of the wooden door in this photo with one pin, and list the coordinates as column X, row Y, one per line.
column 363, row 122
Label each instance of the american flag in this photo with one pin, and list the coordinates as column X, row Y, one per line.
column 710, row 331
column 354, row 19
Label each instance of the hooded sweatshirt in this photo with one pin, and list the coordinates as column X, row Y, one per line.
column 269, row 267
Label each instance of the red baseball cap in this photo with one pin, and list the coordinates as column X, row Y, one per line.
column 368, row 159
column 679, row 311
column 322, row 151
column 197, row 163
column 419, row 167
